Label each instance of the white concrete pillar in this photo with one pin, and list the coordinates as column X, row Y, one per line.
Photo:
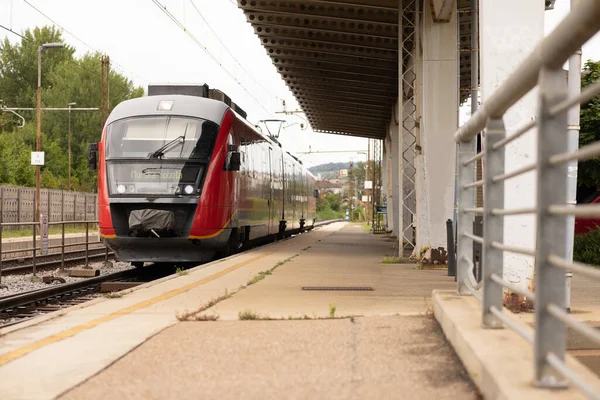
column 394, row 200
column 509, row 30
column 439, row 104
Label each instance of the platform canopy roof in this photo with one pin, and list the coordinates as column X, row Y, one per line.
column 340, row 58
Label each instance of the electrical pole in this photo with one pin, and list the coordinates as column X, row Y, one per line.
column 104, row 102
column 69, row 148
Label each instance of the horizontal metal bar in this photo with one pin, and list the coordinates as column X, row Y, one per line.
column 530, row 295
column 474, row 210
column 48, row 109
column 473, row 184
column 584, row 153
column 476, row 239
column 473, row 281
column 569, row 374
column 586, row 210
column 72, row 222
column 478, row 156
column 576, row 267
column 572, row 323
column 517, row 134
column 586, row 95
column 514, row 211
column 19, row 223
column 513, row 249
column 512, row 324
column 515, row 173
column 473, row 292
column 576, row 29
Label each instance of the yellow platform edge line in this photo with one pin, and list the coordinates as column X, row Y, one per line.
column 24, row 350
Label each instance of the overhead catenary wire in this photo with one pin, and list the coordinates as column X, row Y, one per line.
column 164, row 9
column 62, row 28
column 229, row 52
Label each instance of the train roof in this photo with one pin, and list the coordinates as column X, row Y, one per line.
column 187, row 106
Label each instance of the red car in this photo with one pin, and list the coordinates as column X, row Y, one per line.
column 585, row 225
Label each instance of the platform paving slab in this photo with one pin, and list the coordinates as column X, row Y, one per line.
column 370, row 358
column 349, row 258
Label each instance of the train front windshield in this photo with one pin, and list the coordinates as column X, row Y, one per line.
column 164, row 155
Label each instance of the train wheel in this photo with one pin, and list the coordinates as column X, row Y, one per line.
column 137, row 264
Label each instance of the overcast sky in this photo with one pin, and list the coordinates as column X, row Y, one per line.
column 146, row 45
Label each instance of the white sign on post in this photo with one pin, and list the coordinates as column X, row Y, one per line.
column 368, row 184
column 37, row 158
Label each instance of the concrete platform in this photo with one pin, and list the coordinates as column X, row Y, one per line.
column 499, row 360
column 134, row 346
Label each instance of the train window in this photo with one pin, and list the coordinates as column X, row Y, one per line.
column 163, row 137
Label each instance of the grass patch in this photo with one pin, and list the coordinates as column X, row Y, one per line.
column 181, row 272
column 248, row 315
column 113, row 295
column 306, row 248
column 396, row 260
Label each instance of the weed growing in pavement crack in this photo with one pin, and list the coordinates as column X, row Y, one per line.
column 306, row 248
column 248, row 315
column 181, row 271
column 332, row 310
column 263, row 274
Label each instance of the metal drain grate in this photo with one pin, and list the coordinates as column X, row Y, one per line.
column 345, row 288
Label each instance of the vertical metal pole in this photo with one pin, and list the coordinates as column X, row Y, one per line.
column 1, row 286
column 466, row 199
column 451, row 249
column 574, row 89
column 87, row 242
column 62, row 256
column 38, row 135
column 34, row 250
column 550, row 333
column 69, row 152
column 18, row 205
column 493, row 226
column 366, row 179
column 475, row 99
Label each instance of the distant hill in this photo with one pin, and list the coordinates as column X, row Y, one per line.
column 329, row 170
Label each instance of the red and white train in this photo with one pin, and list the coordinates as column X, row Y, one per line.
column 183, row 175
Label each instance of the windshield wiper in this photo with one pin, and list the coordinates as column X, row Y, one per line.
column 169, row 146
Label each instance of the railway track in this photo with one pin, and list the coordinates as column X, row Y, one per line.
column 51, row 261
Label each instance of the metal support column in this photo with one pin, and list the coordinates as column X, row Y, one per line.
column 550, row 333
column 493, row 225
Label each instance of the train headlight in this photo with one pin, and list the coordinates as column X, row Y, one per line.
column 189, row 189
column 121, row 189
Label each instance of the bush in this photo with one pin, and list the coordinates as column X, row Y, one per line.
column 358, row 215
column 586, row 248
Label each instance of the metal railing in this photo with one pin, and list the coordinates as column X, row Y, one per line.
column 37, row 248
column 542, row 68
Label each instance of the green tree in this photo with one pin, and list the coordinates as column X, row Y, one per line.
column 65, row 79
column 589, row 170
